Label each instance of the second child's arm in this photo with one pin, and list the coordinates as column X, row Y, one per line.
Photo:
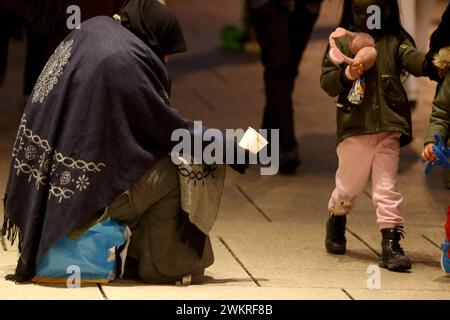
column 439, row 120
column 440, row 116
column 412, row 60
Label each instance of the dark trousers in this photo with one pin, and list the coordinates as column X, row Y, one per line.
column 35, row 59
column 283, row 37
column 6, row 31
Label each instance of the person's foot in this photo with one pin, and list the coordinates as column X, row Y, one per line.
column 131, row 268
column 445, row 260
column 335, row 241
column 198, row 277
column 393, row 257
column 289, row 161
column 445, row 247
column 192, row 279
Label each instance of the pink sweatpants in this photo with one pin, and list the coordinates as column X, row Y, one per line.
column 360, row 156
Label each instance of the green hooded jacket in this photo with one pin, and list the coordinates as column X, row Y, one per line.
column 385, row 107
column 440, row 115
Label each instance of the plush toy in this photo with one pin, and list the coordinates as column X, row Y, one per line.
column 362, row 45
column 442, row 155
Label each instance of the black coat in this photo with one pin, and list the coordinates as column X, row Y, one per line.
column 439, row 39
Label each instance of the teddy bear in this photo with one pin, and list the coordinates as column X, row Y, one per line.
column 362, row 45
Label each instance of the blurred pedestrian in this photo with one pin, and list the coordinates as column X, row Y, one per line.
column 283, row 29
column 416, row 18
column 9, row 23
column 45, row 23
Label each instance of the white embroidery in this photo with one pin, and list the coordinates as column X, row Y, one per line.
column 60, row 193
column 52, row 71
column 78, row 164
column 65, row 178
column 61, row 174
column 30, row 152
column 82, row 183
column 25, row 168
column 59, row 157
column 44, row 163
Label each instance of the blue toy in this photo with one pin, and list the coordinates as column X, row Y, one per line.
column 442, row 155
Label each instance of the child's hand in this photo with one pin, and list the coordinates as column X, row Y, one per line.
column 356, row 70
column 428, row 153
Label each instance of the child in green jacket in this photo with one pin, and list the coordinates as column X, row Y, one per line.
column 370, row 134
column 440, row 124
column 440, row 116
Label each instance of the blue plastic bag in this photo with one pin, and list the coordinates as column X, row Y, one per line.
column 93, row 254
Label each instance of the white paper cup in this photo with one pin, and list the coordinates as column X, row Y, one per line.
column 253, row 141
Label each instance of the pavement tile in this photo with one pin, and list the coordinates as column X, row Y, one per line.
column 423, row 278
column 226, row 271
column 291, row 248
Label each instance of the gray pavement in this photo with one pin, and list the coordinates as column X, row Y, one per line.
column 269, row 238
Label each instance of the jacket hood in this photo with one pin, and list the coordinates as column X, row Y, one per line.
column 442, row 59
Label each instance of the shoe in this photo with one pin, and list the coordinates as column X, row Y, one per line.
column 192, row 279
column 131, row 267
column 335, row 241
column 290, row 161
column 445, row 260
column 445, row 247
column 393, row 257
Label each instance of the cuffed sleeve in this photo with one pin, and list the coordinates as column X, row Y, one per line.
column 412, row 60
column 440, row 116
column 333, row 80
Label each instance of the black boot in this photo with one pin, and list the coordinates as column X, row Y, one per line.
column 393, row 257
column 335, row 241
